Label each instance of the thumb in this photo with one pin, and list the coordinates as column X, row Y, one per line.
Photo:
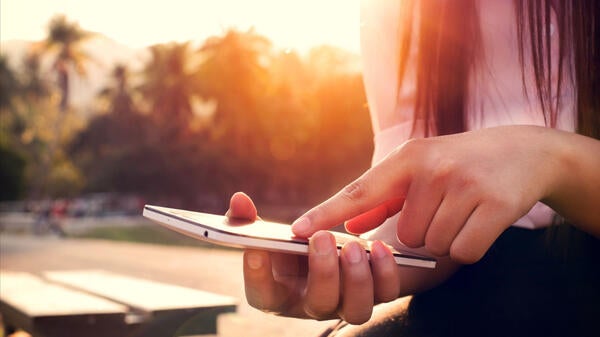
column 241, row 206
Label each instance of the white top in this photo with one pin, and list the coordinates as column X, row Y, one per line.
column 496, row 86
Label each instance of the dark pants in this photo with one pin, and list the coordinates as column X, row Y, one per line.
column 530, row 283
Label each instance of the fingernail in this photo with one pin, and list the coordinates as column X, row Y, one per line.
column 254, row 261
column 301, row 225
column 353, row 252
column 322, row 243
column 378, row 250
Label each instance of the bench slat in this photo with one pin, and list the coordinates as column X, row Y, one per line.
column 38, row 298
column 145, row 295
column 49, row 310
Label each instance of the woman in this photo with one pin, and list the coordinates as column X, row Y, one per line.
column 487, row 119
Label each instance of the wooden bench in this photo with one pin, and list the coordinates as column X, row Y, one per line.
column 148, row 308
column 162, row 308
column 43, row 309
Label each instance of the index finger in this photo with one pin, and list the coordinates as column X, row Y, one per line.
column 388, row 179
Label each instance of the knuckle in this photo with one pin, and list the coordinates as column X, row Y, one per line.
column 463, row 254
column 320, row 310
column 467, row 181
column 409, row 238
column 436, row 246
column 409, row 152
column 503, row 203
column 355, row 190
column 443, row 169
column 412, row 146
column 356, row 317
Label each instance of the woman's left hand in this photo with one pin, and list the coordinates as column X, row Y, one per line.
column 457, row 193
column 320, row 285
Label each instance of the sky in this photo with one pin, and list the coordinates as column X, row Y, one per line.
column 295, row 24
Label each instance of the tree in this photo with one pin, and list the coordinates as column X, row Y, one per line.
column 12, row 163
column 117, row 131
column 31, row 136
column 37, row 127
column 119, row 95
column 65, row 39
column 169, row 86
column 9, row 84
column 342, row 131
column 234, row 72
column 12, row 174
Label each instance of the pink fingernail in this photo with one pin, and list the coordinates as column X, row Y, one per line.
column 353, row 252
column 378, row 251
column 254, row 261
column 323, row 243
column 301, row 226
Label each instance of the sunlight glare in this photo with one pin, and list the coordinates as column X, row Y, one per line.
column 289, row 24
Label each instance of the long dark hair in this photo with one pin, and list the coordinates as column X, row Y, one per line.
column 449, row 45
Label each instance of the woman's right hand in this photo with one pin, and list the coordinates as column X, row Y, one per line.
column 320, row 285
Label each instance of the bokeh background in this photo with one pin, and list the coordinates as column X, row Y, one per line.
column 108, row 105
column 182, row 123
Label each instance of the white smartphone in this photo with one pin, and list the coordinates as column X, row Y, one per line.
column 272, row 236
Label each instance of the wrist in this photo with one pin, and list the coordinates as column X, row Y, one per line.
column 574, row 188
column 560, row 163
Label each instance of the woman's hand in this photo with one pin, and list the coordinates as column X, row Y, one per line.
column 458, row 193
column 320, row 285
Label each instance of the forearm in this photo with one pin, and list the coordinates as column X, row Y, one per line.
column 575, row 193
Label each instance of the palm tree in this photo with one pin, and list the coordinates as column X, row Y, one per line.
column 65, row 39
column 234, row 70
column 63, row 43
column 118, row 94
column 235, row 73
column 170, row 85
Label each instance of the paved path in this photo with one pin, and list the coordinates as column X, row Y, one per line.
column 214, row 270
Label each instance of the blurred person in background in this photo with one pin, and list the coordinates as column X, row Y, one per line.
column 50, row 216
column 486, row 117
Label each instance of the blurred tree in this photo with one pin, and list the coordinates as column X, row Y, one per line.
column 287, row 120
column 117, row 131
column 176, row 156
column 35, row 85
column 29, row 130
column 233, row 72
column 344, row 134
column 12, row 174
column 232, row 115
column 65, row 39
column 9, row 84
column 65, row 43
column 9, row 90
column 12, row 163
column 169, row 86
column 316, row 124
column 39, row 123
column 119, row 95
